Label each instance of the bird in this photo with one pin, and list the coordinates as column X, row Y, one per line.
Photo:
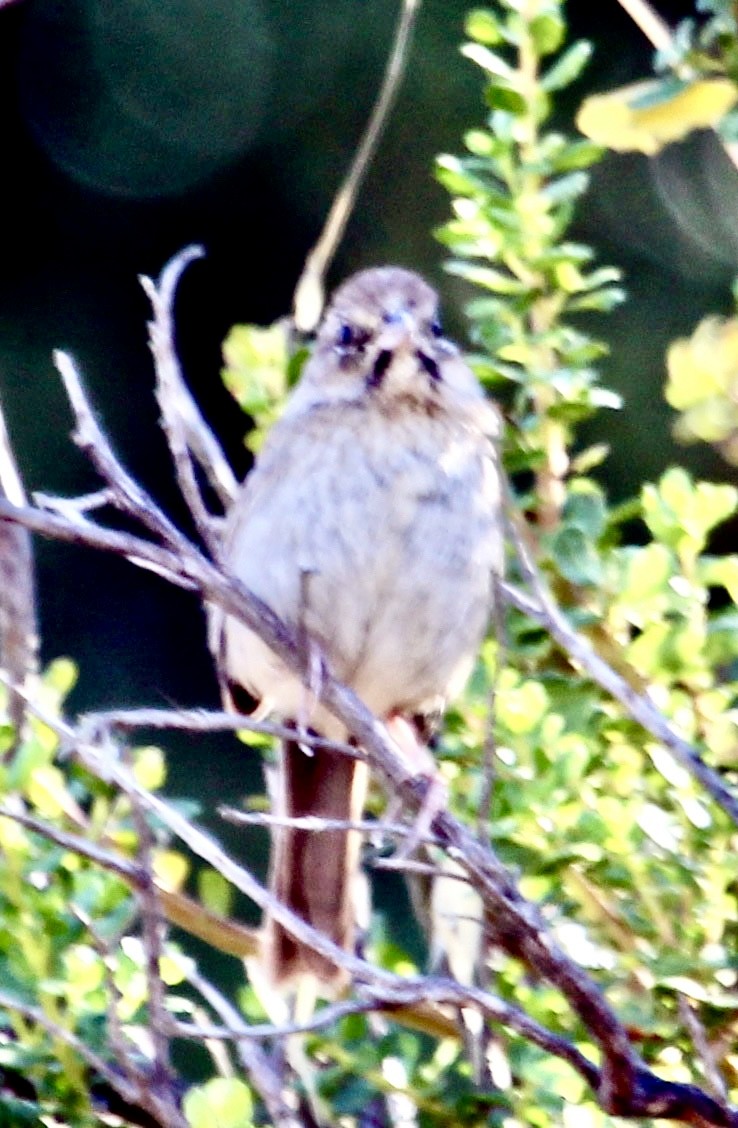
column 371, row 526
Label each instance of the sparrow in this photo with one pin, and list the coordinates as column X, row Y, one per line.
column 371, row 526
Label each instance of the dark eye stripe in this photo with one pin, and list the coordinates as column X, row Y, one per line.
column 430, row 365
column 381, row 364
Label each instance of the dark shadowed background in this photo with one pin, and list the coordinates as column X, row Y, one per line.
column 132, row 127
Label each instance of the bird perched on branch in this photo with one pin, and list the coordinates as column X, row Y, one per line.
column 371, row 526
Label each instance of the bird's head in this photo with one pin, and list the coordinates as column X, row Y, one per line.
column 381, row 339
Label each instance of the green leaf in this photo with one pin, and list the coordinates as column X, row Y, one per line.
column 455, row 176
column 224, row 1102
column 480, row 142
column 485, row 276
column 568, row 187
column 713, row 996
column 589, row 458
column 682, row 513
column 649, row 570
column 61, row 676
column 577, row 154
column 256, row 366
column 215, row 892
column 585, row 508
column 521, row 708
column 646, row 116
column 602, row 301
column 568, row 67
column 84, row 968
column 500, row 96
column 720, row 571
column 575, row 556
column 483, row 25
column 149, row 767
column 547, row 32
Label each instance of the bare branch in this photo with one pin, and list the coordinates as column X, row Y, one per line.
column 153, row 933
column 656, row 30
column 314, row 823
column 74, row 507
column 146, row 1096
column 125, row 493
column 18, row 628
column 131, row 872
column 698, row 1034
column 544, row 610
column 201, row 721
column 253, row 1059
column 189, row 438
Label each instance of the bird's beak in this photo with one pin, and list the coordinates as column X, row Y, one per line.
column 398, row 332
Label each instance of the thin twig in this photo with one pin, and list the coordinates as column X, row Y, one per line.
column 201, row 721
column 145, row 554
column 153, row 935
column 126, row 493
column 315, row 823
column 165, row 1112
column 188, row 436
column 655, row 29
column 72, row 507
column 253, row 1059
column 697, row 1033
column 309, row 293
column 130, row 872
column 237, row 1030
column 405, row 993
column 544, row 610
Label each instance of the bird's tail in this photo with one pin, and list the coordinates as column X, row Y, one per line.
column 314, row 872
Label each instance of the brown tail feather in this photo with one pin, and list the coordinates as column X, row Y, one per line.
column 314, row 873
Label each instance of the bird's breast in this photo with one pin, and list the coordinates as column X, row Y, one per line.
column 379, row 539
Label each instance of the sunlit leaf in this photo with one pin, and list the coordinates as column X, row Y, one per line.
column 649, row 115
column 255, row 370
column 482, row 24
column 171, row 869
column 149, row 767
column 224, row 1102
column 215, row 892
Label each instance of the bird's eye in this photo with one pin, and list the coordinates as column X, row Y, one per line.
column 351, row 337
column 436, row 328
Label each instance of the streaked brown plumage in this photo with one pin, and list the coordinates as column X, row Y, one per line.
column 371, row 522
